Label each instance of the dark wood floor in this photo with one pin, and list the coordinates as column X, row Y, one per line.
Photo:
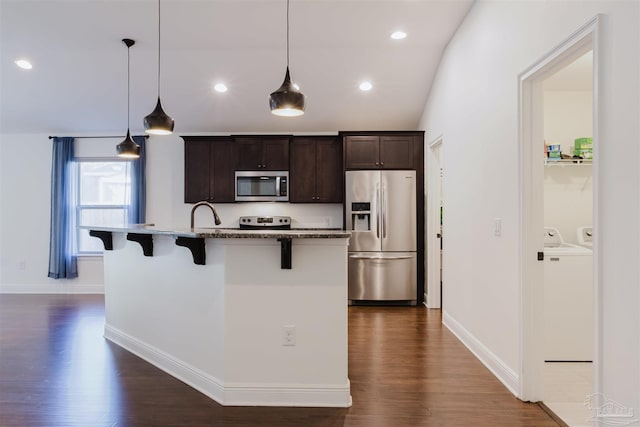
column 405, row 370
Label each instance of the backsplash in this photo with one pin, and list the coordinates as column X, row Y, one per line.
column 302, row 215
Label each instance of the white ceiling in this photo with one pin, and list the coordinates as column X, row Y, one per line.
column 78, row 84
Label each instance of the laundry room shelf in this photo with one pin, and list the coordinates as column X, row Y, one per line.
column 568, row 162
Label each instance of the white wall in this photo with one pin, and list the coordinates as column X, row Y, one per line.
column 25, row 186
column 473, row 103
column 567, row 116
column 568, row 189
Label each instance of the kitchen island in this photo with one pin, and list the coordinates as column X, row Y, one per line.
column 255, row 318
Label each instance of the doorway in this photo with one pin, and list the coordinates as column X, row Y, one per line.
column 435, row 225
column 532, row 135
column 568, row 256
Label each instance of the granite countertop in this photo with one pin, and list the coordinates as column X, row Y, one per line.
column 229, row 233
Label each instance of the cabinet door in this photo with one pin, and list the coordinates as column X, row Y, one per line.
column 275, row 154
column 196, row 171
column 222, row 160
column 302, row 174
column 329, row 176
column 396, row 152
column 362, row 152
column 248, row 154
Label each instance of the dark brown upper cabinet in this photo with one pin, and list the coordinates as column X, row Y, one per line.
column 315, row 173
column 262, row 153
column 379, row 152
column 209, row 169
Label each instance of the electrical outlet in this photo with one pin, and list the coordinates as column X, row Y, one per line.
column 289, row 335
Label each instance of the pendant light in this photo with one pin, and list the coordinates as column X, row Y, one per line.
column 158, row 122
column 128, row 148
column 287, row 100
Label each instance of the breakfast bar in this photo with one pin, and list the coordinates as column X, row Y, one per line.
column 247, row 317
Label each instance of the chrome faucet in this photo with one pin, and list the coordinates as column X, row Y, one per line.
column 216, row 218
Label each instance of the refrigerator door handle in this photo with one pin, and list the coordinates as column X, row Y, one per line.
column 383, row 208
column 380, row 258
column 378, row 210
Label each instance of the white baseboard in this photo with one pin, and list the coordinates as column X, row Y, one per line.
column 52, row 288
column 506, row 375
column 197, row 379
column 234, row 394
column 287, row 395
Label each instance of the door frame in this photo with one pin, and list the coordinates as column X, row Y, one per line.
column 434, row 161
column 530, row 127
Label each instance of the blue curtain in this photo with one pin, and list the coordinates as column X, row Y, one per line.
column 62, row 261
column 137, row 210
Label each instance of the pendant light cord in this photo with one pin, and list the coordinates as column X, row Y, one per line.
column 128, row 85
column 158, row 48
column 287, row 33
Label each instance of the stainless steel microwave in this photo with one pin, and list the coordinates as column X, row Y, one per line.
column 262, row 186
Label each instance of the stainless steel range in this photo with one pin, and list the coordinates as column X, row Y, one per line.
column 265, row 222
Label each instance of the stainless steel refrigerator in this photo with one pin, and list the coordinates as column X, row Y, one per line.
column 380, row 211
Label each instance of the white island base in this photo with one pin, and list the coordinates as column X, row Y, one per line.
column 221, row 327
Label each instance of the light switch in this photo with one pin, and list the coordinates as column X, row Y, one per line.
column 497, row 227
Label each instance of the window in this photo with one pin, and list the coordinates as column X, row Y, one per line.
column 103, row 197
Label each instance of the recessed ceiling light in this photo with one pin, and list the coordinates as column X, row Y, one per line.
column 398, row 35
column 365, row 86
column 220, row 87
column 24, row 64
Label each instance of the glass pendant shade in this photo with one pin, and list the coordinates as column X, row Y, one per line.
column 128, row 148
column 158, row 122
column 287, row 100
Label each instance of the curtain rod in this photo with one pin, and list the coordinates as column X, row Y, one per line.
column 96, row 137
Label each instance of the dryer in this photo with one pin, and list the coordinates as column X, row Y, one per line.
column 585, row 237
column 568, row 300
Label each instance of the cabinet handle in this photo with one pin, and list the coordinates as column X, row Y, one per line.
column 381, row 163
column 377, row 164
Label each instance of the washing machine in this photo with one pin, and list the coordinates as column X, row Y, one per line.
column 568, row 300
column 585, row 236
